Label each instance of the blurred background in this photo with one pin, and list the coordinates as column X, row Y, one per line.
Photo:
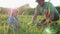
column 26, row 9
column 23, row 5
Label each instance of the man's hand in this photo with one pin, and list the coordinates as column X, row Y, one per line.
column 33, row 21
column 46, row 14
column 34, row 17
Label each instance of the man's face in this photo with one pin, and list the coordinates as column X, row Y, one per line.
column 41, row 2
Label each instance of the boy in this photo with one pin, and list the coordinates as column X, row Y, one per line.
column 43, row 9
column 13, row 19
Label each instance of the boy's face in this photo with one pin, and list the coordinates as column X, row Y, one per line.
column 41, row 2
column 15, row 13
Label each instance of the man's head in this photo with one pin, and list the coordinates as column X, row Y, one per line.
column 40, row 2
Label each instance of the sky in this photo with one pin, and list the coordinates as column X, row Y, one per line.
column 19, row 3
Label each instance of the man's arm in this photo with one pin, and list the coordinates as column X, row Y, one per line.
column 54, row 13
column 54, row 9
column 35, row 16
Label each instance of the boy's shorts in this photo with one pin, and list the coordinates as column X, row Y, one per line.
column 11, row 25
column 14, row 25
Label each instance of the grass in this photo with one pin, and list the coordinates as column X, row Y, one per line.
column 26, row 26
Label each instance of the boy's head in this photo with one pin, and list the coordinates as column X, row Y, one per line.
column 40, row 2
column 13, row 12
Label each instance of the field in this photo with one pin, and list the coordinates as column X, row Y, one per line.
column 25, row 22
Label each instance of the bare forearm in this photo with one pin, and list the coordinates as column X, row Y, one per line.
column 35, row 16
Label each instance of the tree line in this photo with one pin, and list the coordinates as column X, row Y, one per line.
column 22, row 10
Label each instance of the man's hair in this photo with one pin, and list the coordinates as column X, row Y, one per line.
column 38, row 0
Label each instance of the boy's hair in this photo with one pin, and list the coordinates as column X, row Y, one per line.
column 14, row 10
column 11, row 11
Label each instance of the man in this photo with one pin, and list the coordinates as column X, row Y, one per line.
column 46, row 9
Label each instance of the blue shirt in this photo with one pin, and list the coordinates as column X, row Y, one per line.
column 12, row 20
